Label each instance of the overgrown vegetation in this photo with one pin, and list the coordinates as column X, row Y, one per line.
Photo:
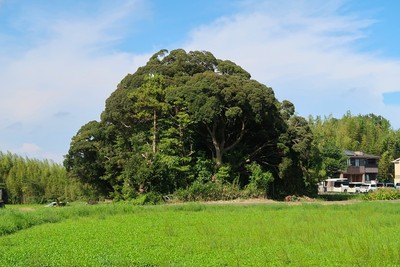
column 207, row 235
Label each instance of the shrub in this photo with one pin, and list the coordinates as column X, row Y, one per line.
column 203, row 169
column 197, row 191
column 259, row 181
column 209, row 191
column 382, row 194
column 223, row 173
column 150, row 198
column 251, row 191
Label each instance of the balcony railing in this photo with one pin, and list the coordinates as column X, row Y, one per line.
column 361, row 169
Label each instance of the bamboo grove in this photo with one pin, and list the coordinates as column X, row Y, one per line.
column 35, row 181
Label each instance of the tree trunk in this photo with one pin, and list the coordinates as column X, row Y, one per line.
column 218, row 145
column 219, row 141
column 218, row 156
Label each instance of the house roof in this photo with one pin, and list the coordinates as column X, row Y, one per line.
column 360, row 155
column 396, row 160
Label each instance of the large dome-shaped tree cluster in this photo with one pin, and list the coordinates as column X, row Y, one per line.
column 187, row 118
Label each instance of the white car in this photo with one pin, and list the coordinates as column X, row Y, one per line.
column 52, row 204
column 354, row 187
column 398, row 186
column 366, row 188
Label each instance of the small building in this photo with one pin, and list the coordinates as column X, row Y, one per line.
column 396, row 170
column 361, row 167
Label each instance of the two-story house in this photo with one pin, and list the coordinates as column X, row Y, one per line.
column 361, row 167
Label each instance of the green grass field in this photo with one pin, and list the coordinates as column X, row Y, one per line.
column 361, row 234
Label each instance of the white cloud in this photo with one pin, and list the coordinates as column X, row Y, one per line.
column 307, row 53
column 69, row 67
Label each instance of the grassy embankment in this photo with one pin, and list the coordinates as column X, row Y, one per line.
column 361, row 234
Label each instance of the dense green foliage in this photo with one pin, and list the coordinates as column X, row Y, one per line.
column 368, row 133
column 35, row 181
column 207, row 235
column 383, row 194
column 189, row 118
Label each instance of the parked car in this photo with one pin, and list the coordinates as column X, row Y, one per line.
column 380, row 185
column 366, row 188
column 56, row 204
column 341, row 186
column 398, row 186
column 354, row 187
column 390, row 185
column 52, row 204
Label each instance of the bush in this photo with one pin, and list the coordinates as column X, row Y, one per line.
column 209, row 191
column 251, row 191
column 259, row 180
column 382, row 194
column 223, row 174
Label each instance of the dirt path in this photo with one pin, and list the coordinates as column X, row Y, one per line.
column 26, row 209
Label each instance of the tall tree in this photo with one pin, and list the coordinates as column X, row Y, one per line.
column 164, row 123
column 84, row 160
column 149, row 102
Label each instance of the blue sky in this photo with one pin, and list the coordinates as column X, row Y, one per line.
column 60, row 60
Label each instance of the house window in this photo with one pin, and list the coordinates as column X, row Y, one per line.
column 357, row 163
